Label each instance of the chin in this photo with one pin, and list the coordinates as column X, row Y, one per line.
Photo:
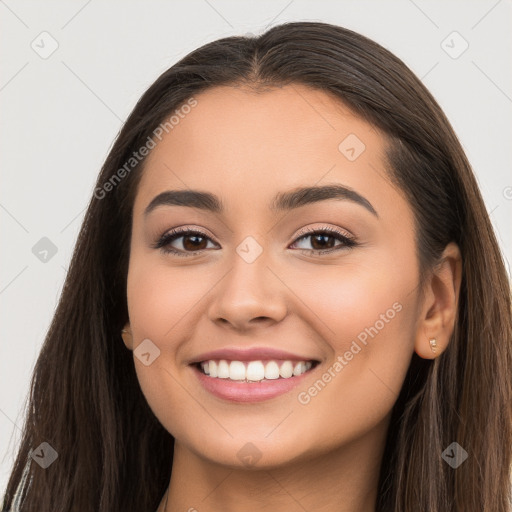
column 252, row 453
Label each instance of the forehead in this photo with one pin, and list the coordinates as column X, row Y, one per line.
column 240, row 143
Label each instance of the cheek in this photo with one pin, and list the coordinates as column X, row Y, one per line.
column 163, row 306
column 365, row 297
column 157, row 300
column 367, row 316
column 160, row 297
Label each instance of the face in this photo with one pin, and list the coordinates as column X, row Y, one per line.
column 322, row 287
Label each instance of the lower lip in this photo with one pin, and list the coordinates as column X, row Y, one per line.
column 248, row 391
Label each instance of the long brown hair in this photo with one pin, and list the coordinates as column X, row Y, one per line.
column 85, row 400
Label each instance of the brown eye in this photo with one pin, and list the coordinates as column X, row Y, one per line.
column 192, row 241
column 324, row 240
column 319, row 242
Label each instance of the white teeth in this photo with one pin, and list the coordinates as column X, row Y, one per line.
column 237, row 370
column 254, row 371
column 299, row 368
column 223, row 370
column 272, row 370
column 286, row 370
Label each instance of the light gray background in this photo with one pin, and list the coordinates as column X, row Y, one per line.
column 60, row 115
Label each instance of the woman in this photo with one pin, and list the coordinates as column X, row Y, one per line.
column 286, row 295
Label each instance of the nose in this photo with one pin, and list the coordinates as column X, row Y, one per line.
column 250, row 295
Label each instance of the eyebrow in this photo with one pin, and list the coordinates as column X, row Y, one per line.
column 282, row 201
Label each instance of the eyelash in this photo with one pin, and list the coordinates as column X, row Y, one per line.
column 167, row 238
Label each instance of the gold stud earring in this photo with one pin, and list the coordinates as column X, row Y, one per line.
column 433, row 345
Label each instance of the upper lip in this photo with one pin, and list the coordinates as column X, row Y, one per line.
column 249, row 354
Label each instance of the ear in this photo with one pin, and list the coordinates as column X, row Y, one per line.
column 439, row 309
column 126, row 334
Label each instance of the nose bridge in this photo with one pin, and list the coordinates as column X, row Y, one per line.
column 249, row 290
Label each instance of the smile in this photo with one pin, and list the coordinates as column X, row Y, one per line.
column 254, row 371
column 251, row 381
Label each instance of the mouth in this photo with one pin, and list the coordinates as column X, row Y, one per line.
column 254, row 371
column 251, row 381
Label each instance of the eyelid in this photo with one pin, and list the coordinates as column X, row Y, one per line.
column 189, row 229
column 308, row 231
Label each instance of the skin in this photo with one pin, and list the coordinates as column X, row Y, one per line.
column 245, row 147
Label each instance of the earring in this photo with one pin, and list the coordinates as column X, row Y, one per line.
column 433, row 345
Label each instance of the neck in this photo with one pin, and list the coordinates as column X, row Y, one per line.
column 342, row 480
